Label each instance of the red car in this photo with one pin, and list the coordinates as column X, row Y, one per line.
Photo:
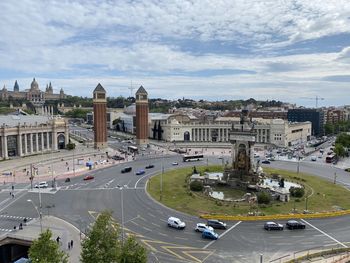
column 88, row 177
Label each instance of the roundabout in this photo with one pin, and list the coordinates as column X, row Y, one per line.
column 79, row 202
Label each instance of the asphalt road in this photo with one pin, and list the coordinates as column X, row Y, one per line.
column 79, row 202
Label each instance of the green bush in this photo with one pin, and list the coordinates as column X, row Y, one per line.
column 264, row 198
column 70, row 146
column 297, row 192
column 196, row 186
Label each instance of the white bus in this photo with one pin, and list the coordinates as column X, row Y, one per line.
column 132, row 149
column 192, row 157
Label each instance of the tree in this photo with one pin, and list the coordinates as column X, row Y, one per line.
column 297, row 191
column 339, row 150
column 329, row 128
column 196, row 186
column 46, row 250
column 102, row 242
column 264, row 198
column 132, row 252
column 343, row 139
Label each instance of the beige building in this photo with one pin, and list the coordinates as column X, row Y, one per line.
column 27, row 135
column 34, row 94
column 182, row 128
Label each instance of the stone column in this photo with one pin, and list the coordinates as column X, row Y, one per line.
column 31, row 143
column 25, row 144
column 42, row 141
column 19, row 144
column 48, row 140
column 4, row 147
column 37, row 142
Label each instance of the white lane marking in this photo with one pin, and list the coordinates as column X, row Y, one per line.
column 140, row 180
column 181, row 238
column 228, row 230
column 147, row 229
column 18, row 196
column 324, row 233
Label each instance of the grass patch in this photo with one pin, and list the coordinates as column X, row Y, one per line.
column 322, row 195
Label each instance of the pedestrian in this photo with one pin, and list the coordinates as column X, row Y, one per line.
column 10, row 193
column 13, row 195
column 68, row 245
column 71, row 243
column 58, row 239
column 68, row 168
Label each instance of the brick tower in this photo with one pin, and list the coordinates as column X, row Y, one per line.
column 141, row 116
column 100, row 117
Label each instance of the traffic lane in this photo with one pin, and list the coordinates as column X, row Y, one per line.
column 336, row 227
column 251, row 236
column 322, row 170
column 150, row 220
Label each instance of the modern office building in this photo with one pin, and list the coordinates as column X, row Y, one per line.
column 23, row 135
column 315, row 116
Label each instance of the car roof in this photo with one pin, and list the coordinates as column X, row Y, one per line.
column 173, row 218
column 293, row 221
column 201, row 224
column 270, row 222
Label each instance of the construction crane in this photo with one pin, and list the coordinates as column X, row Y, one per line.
column 317, row 98
column 131, row 88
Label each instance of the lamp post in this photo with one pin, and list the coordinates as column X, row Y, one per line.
column 73, row 163
column 38, row 211
column 161, row 182
column 122, row 207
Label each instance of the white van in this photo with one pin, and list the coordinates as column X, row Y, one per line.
column 176, row 223
column 313, row 158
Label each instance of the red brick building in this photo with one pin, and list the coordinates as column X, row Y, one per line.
column 141, row 116
column 334, row 116
column 100, row 119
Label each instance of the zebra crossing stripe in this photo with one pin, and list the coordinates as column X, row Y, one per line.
column 15, row 217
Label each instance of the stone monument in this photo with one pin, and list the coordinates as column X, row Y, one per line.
column 242, row 137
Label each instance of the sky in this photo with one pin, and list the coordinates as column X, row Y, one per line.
column 288, row 50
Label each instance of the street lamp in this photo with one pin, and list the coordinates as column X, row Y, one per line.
column 39, row 213
column 161, row 182
column 122, row 207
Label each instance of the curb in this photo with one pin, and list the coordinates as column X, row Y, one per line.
column 277, row 217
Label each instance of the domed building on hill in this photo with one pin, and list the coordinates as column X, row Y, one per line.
column 34, row 94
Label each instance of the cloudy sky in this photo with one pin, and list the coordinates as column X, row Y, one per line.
column 290, row 50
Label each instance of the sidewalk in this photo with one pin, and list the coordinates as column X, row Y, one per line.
column 59, row 227
column 56, row 165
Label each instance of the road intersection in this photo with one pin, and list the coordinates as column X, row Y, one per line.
column 79, row 202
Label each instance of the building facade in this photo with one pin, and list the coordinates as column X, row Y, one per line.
column 34, row 94
column 334, row 116
column 27, row 135
column 141, row 116
column 100, row 117
column 183, row 128
column 315, row 116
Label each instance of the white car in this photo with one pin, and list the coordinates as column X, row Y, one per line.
column 42, row 185
column 175, row 163
column 176, row 223
column 200, row 227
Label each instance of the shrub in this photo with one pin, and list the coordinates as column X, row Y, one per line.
column 264, row 198
column 297, row 192
column 196, row 186
column 71, row 146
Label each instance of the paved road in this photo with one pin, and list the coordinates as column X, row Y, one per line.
column 79, row 202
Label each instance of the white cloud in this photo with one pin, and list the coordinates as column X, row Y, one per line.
column 144, row 38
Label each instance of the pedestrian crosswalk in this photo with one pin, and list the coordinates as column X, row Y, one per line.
column 16, row 217
column 5, row 230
